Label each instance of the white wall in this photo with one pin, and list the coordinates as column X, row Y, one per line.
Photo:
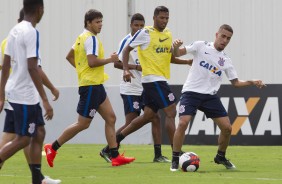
column 255, row 47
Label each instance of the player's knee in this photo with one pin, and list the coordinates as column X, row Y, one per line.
column 227, row 130
column 182, row 125
column 111, row 119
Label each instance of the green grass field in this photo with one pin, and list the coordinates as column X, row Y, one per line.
column 81, row 164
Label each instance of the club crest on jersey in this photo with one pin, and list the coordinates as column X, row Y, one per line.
column 136, row 105
column 221, row 61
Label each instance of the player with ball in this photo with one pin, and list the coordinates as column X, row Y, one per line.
column 200, row 88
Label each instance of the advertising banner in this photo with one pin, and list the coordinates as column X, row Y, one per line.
column 254, row 114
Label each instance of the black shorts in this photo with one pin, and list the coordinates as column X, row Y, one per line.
column 157, row 95
column 132, row 103
column 91, row 97
column 9, row 124
column 25, row 119
column 209, row 104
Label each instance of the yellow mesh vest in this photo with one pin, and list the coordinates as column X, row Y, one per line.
column 155, row 59
column 88, row 76
column 3, row 46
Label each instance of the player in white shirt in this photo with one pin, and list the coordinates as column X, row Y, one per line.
column 199, row 91
column 24, row 84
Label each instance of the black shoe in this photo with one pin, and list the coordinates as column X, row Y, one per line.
column 162, row 159
column 174, row 166
column 224, row 161
column 105, row 155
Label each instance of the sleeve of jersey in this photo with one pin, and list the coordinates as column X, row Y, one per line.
column 32, row 43
column 193, row 47
column 231, row 72
column 8, row 47
column 122, row 45
column 91, row 46
column 141, row 37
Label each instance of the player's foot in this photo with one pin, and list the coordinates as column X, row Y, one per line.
column 162, row 159
column 105, row 155
column 50, row 154
column 122, row 160
column 224, row 161
column 48, row 180
column 174, row 166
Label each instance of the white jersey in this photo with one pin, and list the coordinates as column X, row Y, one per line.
column 134, row 87
column 22, row 43
column 205, row 75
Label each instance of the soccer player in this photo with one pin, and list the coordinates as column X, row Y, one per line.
column 199, row 90
column 23, row 86
column 89, row 62
column 153, row 45
column 131, row 93
column 9, row 128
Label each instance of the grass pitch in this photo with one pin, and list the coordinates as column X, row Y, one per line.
column 81, row 164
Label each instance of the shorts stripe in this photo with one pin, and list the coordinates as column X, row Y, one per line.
column 161, row 94
column 88, row 100
column 24, row 119
column 130, row 103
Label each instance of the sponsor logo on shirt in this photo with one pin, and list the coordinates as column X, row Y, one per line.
column 211, row 68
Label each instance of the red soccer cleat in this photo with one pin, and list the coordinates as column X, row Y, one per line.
column 50, row 154
column 121, row 160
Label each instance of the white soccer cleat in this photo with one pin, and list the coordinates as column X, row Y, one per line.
column 48, row 180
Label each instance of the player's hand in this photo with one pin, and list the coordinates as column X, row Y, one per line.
column 259, row 84
column 177, row 43
column 114, row 57
column 56, row 94
column 127, row 75
column 48, row 110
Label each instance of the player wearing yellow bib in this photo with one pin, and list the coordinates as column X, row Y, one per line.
column 87, row 56
column 154, row 53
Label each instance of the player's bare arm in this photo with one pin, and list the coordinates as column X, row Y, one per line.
column 94, row 61
column 46, row 82
column 70, row 57
column 180, row 61
column 241, row 83
column 119, row 65
column 35, row 76
column 4, row 77
column 125, row 57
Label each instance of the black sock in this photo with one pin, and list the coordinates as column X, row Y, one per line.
column 106, row 149
column 42, row 176
column 36, row 173
column 114, row 152
column 221, row 153
column 158, row 150
column 175, row 156
column 119, row 138
column 56, row 145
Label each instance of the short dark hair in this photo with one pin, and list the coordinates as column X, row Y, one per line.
column 226, row 27
column 91, row 15
column 30, row 6
column 21, row 15
column 160, row 9
column 137, row 16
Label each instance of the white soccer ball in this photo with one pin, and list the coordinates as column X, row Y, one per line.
column 189, row 162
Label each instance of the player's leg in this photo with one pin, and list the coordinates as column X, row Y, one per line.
column 86, row 111
column 107, row 113
column 214, row 109
column 223, row 141
column 70, row 132
column 178, row 139
column 157, row 138
column 25, row 128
